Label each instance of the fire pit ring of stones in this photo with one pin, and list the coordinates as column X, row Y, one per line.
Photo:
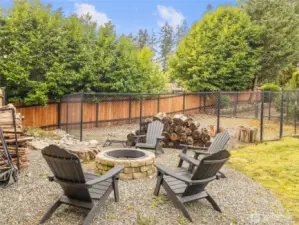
column 137, row 163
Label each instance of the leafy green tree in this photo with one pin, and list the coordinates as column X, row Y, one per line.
column 220, row 52
column 45, row 55
column 285, row 75
column 279, row 20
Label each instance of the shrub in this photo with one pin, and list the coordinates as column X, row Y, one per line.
column 224, row 101
column 270, row 88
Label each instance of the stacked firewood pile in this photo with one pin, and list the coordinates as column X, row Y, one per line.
column 6, row 123
column 179, row 129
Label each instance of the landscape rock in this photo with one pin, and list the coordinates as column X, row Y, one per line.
column 38, row 145
column 93, row 143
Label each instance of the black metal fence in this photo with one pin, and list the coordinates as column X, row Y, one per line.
column 113, row 115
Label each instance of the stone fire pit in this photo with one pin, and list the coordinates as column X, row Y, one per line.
column 138, row 163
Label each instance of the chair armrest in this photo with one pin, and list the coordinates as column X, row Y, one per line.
column 193, row 147
column 201, row 152
column 189, row 159
column 138, row 137
column 110, row 174
column 165, row 171
column 160, row 138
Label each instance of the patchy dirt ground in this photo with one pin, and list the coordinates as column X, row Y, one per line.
column 270, row 127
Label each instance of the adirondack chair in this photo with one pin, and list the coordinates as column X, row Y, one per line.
column 182, row 186
column 80, row 189
column 218, row 144
column 153, row 137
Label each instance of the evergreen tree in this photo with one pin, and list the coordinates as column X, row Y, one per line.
column 166, row 45
column 143, row 38
column 181, row 32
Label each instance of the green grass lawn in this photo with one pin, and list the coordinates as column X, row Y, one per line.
column 275, row 165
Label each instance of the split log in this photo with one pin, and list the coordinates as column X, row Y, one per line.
column 166, row 135
column 182, row 137
column 180, row 119
column 205, row 137
column 194, row 125
column 159, row 116
column 188, row 131
column 189, row 141
column 173, row 136
column 179, row 129
column 196, row 134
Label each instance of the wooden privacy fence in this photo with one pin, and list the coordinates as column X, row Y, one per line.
column 2, row 96
column 95, row 110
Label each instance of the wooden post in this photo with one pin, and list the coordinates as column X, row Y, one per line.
column 81, row 117
column 184, row 102
column 58, row 114
column 130, row 109
column 158, row 107
column 97, row 114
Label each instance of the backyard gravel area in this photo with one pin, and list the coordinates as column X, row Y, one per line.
column 242, row 201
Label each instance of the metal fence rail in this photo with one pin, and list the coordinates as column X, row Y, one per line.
column 92, row 115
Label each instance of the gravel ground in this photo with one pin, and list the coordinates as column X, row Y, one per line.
column 242, row 201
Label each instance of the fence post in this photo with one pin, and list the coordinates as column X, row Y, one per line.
column 218, row 110
column 130, row 109
column 67, row 115
column 281, row 114
column 140, row 119
column 81, row 117
column 287, row 106
column 295, row 117
column 184, row 102
column 97, row 114
column 158, row 107
column 204, row 102
column 235, row 104
column 262, row 118
column 58, row 114
column 256, row 104
column 269, row 116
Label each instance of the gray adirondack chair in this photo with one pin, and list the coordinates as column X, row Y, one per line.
column 182, row 186
column 153, row 137
column 80, row 189
column 218, row 144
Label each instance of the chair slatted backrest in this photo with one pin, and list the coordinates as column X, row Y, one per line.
column 66, row 167
column 154, row 130
column 219, row 142
column 208, row 167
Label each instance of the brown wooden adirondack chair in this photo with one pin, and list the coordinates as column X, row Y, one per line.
column 80, row 189
column 182, row 186
column 218, row 144
column 153, row 137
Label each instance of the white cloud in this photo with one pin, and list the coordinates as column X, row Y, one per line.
column 169, row 15
column 99, row 17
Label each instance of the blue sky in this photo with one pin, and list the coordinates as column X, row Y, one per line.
column 131, row 15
